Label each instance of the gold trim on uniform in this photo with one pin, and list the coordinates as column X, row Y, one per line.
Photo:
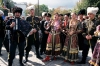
column 18, row 36
column 83, row 33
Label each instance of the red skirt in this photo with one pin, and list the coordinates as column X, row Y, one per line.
column 53, row 44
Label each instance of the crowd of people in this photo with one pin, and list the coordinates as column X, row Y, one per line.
column 55, row 35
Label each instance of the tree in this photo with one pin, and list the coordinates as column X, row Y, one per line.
column 43, row 8
column 1, row 3
column 51, row 11
column 9, row 4
column 60, row 10
column 83, row 4
column 98, row 5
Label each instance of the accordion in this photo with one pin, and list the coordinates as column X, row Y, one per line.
column 25, row 27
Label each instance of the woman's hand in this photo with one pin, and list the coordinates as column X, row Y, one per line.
column 71, row 33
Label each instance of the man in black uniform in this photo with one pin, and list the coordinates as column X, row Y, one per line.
column 6, row 41
column 89, row 27
column 81, row 13
column 45, row 28
column 20, row 29
column 34, row 38
column 1, row 30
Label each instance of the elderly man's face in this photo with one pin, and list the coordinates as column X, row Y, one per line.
column 91, row 15
column 17, row 14
column 32, row 12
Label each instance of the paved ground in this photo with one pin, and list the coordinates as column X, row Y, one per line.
column 36, row 62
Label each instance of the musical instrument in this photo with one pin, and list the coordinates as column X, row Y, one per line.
column 47, row 25
column 23, row 27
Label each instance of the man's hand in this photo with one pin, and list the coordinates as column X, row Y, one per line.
column 31, row 33
column 12, row 25
column 88, row 37
column 34, row 30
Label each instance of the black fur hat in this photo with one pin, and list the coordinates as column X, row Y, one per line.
column 47, row 14
column 68, row 14
column 17, row 9
column 82, row 12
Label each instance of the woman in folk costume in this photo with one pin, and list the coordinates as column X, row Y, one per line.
column 70, row 50
column 64, row 24
column 53, row 41
column 95, row 60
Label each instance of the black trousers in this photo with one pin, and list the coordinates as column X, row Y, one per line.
column 44, row 43
column 86, row 50
column 31, row 41
column 29, row 46
column 1, row 41
column 62, row 39
column 80, row 41
column 12, row 51
column 6, row 43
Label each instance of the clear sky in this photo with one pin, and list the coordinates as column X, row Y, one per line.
column 52, row 3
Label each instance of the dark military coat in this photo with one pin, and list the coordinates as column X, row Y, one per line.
column 89, row 28
column 2, row 28
column 18, row 35
column 80, row 36
column 35, row 23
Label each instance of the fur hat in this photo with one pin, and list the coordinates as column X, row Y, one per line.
column 32, row 7
column 47, row 14
column 43, row 13
column 68, row 14
column 17, row 9
column 82, row 12
column 92, row 10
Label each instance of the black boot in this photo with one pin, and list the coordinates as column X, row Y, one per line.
column 38, row 55
column 0, row 53
column 9, row 63
column 41, row 52
column 83, row 61
column 20, row 61
column 26, row 57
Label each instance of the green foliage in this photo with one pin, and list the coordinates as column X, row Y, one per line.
column 43, row 8
column 39, row 9
column 83, row 4
column 98, row 5
column 9, row 4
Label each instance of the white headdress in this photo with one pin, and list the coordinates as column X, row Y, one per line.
column 10, row 14
column 30, row 7
column 1, row 12
column 93, row 10
column 43, row 13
